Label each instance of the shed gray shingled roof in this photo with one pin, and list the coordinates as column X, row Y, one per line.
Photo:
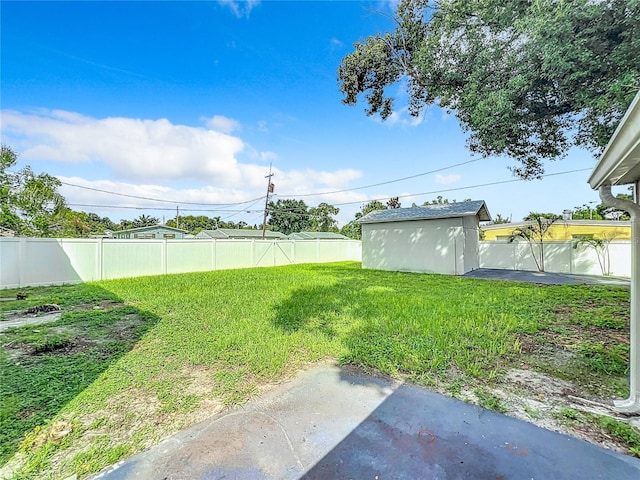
column 430, row 212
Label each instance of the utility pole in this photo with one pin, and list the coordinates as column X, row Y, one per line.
column 270, row 188
column 177, row 217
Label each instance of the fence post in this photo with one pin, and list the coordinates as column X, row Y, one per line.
column 99, row 258
column 163, row 264
column 214, row 246
column 253, row 252
column 571, row 258
column 293, row 252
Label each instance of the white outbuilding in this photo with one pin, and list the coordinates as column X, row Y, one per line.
column 440, row 238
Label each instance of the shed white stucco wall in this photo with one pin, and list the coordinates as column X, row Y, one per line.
column 447, row 245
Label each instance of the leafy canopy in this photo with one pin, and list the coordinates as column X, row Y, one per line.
column 30, row 204
column 527, row 79
column 288, row 216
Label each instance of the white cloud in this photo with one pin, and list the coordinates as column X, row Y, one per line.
column 335, row 43
column 240, row 8
column 148, row 158
column 447, row 179
column 135, row 149
column 222, row 124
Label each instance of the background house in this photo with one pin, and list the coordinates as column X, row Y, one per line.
column 565, row 230
column 153, row 231
column 437, row 238
column 317, row 236
column 240, row 233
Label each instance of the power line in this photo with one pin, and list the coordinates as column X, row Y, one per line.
column 501, row 182
column 139, row 197
column 131, row 207
column 381, row 183
column 453, row 189
column 467, row 187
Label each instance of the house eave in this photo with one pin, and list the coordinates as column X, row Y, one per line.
column 619, row 164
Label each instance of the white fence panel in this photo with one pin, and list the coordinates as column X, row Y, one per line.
column 235, row 254
column 498, row 255
column 10, row 262
column 47, row 261
column 307, row 251
column 284, row 253
column 190, row 256
column 620, row 256
column 560, row 257
column 133, row 258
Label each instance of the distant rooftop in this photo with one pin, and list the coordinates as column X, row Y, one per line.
column 223, row 233
column 599, row 223
column 430, row 212
column 318, row 236
column 149, row 227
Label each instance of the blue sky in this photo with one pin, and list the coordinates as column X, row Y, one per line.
column 192, row 101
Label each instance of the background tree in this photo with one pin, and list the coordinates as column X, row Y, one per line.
column 601, row 247
column 534, row 233
column 322, row 218
column 353, row 229
column 394, row 202
column 144, row 221
column 527, row 79
column 586, row 212
column 194, row 224
column 288, row 216
column 499, row 219
column 30, row 204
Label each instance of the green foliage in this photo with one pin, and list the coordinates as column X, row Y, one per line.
column 322, row 218
column 622, row 432
column 353, row 229
column 144, row 221
column 526, row 79
column 30, row 204
column 586, row 212
column 489, row 400
column 394, row 202
column 288, row 216
column 534, row 233
column 499, row 219
column 194, row 224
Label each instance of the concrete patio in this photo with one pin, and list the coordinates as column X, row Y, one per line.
column 328, row 422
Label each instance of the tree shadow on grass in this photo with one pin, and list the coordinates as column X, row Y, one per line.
column 418, row 324
column 372, row 314
column 45, row 366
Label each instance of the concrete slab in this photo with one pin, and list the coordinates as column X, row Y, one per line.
column 329, row 422
column 546, row 277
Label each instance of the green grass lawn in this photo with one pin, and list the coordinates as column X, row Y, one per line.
column 116, row 378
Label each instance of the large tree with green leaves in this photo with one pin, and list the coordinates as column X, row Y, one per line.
column 528, row 78
column 288, row 216
column 353, row 229
column 323, row 218
column 30, row 204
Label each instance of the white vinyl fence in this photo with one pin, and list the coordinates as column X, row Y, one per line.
column 48, row 261
column 559, row 257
